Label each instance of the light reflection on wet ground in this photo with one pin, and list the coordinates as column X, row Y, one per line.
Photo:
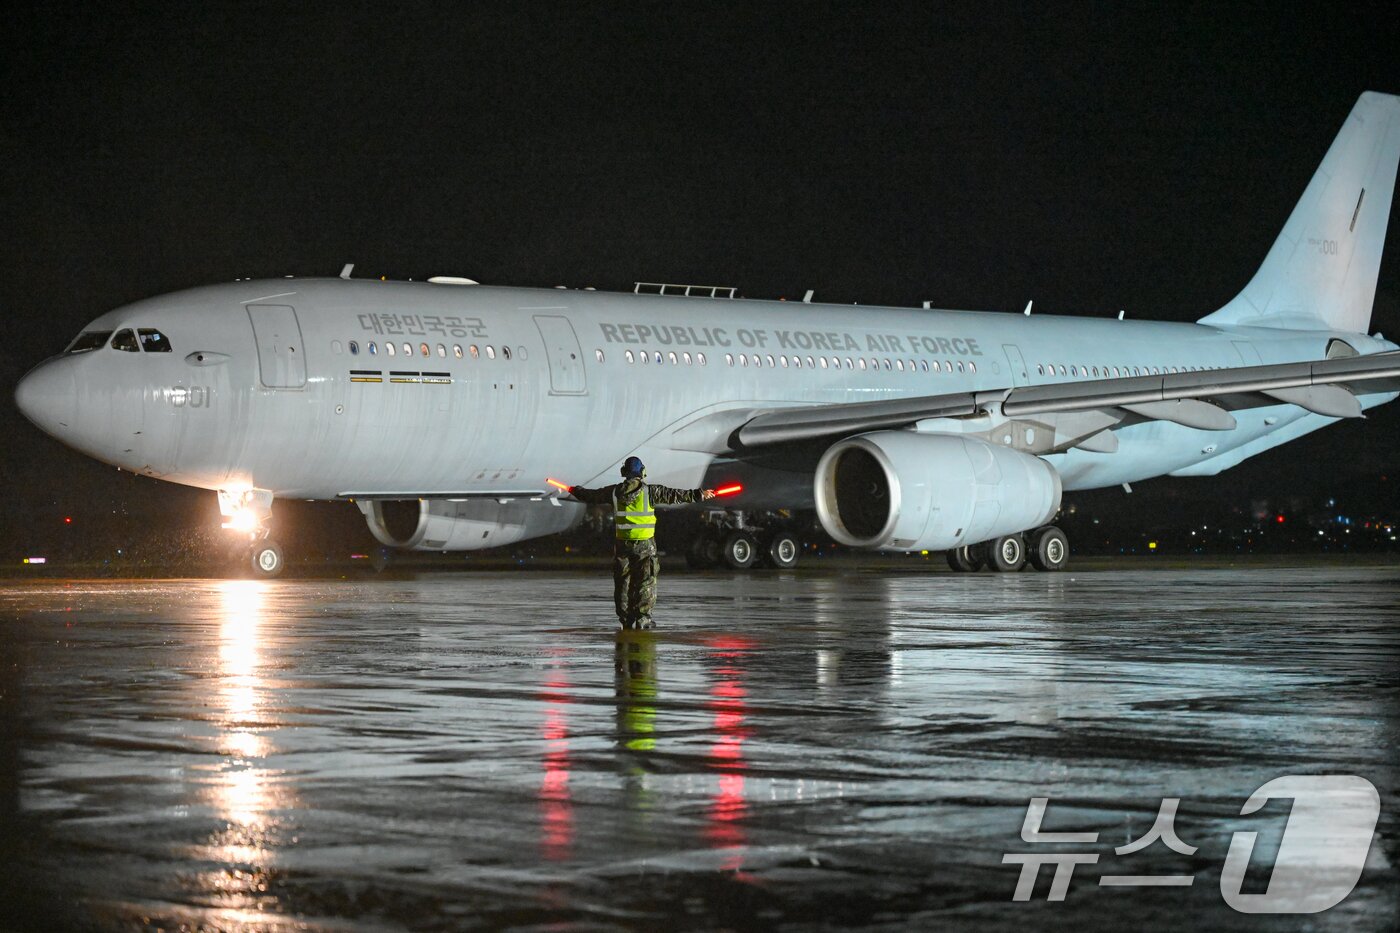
column 481, row 750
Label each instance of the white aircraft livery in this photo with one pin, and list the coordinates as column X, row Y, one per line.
column 906, row 429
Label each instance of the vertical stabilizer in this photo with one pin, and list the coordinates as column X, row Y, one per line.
column 1321, row 272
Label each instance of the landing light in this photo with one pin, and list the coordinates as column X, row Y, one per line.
column 242, row 520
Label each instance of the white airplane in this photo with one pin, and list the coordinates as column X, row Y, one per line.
column 907, row 429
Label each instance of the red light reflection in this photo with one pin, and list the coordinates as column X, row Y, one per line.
column 724, row 828
column 556, row 804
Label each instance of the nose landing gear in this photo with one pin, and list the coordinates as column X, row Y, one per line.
column 267, row 559
column 247, row 513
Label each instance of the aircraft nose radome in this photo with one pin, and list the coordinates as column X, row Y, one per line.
column 48, row 396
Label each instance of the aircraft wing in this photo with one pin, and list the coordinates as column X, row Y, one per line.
column 448, row 495
column 1195, row 399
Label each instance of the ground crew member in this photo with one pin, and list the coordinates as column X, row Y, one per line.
column 635, row 564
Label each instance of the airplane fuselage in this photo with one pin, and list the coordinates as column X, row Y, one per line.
column 324, row 388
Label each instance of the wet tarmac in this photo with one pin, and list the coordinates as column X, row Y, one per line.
column 809, row 751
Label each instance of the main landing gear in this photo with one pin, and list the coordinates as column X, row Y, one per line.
column 1044, row 548
column 725, row 540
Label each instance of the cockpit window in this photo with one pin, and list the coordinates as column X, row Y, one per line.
column 153, row 341
column 125, row 340
column 89, row 340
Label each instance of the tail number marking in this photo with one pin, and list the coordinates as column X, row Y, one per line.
column 191, row 397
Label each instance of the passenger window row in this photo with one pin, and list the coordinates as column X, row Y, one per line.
column 152, row 341
column 758, row 361
column 1114, row 372
column 642, row 357
column 858, row 363
column 389, row 348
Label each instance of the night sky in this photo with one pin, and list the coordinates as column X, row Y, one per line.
column 1089, row 158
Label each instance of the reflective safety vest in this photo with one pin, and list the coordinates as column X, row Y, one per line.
column 634, row 520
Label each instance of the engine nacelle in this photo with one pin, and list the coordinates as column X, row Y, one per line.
column 911, row 492
column 437, row 525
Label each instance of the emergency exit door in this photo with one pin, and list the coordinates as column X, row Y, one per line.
column 566, row 376
column 281, row 356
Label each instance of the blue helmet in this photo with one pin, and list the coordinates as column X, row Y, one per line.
column 632, row 466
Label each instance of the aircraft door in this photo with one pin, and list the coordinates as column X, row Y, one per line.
column 1019, row 375
column 281, row 359
column 566, row 375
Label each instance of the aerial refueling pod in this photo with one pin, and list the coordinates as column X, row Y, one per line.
column 900, row 490
column 472, row 525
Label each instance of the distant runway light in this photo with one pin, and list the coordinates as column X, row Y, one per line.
column 36, row 560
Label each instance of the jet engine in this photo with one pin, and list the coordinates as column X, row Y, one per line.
column 437, row 525
column 900, row 490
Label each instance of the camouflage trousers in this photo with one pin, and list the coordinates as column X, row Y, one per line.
column 635, row 567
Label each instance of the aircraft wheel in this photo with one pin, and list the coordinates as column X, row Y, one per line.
column 739, row 550
column 783, row 550
column 267, row 559
column 1006, row 554
column 701, row 552
column 1049, row 549
column 969, row 558
column 966, row 559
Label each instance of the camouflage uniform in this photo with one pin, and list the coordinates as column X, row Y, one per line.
column 635, row 562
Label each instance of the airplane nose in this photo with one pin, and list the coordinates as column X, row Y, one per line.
column 48, row 396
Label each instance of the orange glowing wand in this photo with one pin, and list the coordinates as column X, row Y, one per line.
column 729, row 490
column 558, row 485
